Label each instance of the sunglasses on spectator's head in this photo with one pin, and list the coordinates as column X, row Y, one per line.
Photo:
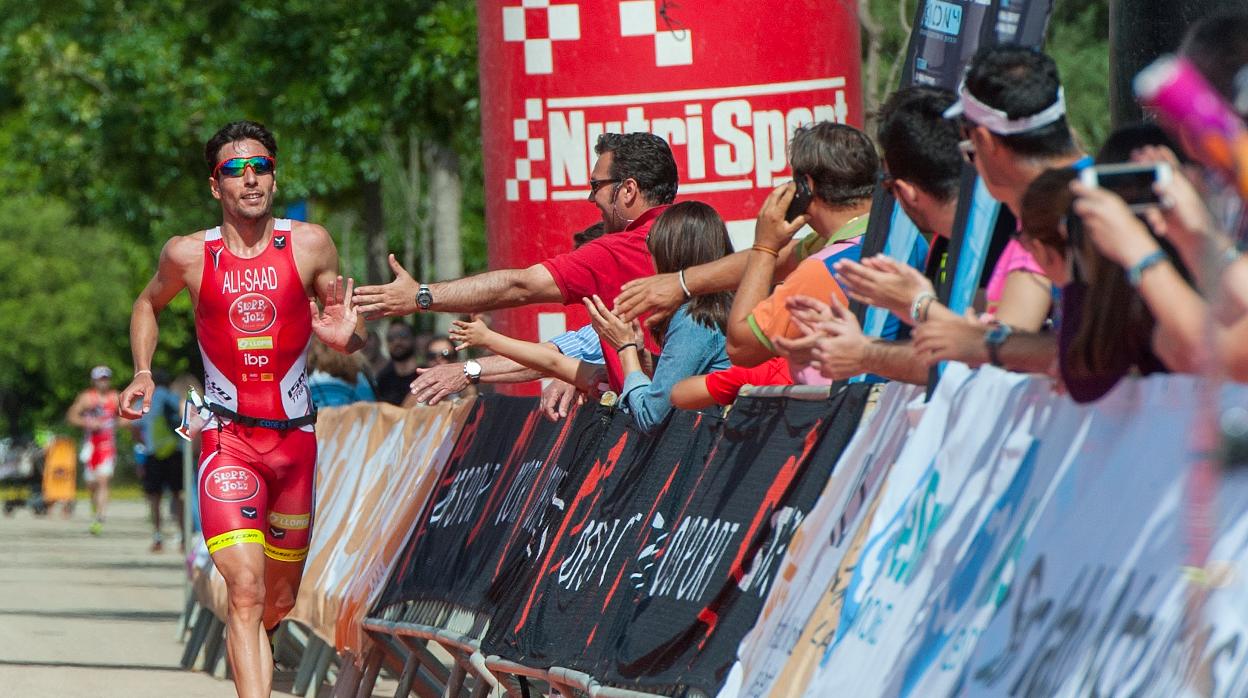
column 444, row 354
column 235, row 167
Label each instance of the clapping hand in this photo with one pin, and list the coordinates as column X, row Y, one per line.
column 611, row 328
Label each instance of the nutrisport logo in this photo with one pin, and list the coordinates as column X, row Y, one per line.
column 724, row 138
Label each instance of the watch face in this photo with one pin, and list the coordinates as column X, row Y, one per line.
column 424, row 298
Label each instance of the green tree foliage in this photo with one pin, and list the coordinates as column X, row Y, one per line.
column 65, row 301
column 1079, row 43
column 105, row 106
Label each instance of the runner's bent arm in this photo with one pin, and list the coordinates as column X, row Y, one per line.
column 169, row 280
column 74, row 414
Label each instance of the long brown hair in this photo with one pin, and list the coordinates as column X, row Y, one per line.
column 685, row 235
column 1114, row 322
column 1044, row 207
column 339, row 365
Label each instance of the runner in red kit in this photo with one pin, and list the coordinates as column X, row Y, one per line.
column 253, row 281
column 95, row 412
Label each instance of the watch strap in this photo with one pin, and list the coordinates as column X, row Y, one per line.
column 996, row 336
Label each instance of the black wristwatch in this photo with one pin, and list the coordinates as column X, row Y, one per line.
column 997, row 334
column 424, row 297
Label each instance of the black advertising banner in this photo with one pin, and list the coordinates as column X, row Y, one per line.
column 573, row 601
column 772, row 460
column 507, row 466
column 946, row 34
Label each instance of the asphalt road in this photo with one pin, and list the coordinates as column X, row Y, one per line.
column 89, row 616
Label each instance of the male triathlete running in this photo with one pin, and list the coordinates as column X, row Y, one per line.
column 95, row 412
column 252, row 281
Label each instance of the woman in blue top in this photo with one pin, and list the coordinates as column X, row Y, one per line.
column 336, row 379
column 686, row 234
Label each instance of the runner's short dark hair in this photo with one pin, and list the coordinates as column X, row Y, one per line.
column 645, row 158
column 1021, row 81
column 840, row 159
column 238, row 131
column 920, row 145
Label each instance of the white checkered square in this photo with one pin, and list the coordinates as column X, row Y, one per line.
column 564, row 22
column 537, row 190
column 524, row 169
column 535, row 3
column 637, row 18
column 520, row 129
column 513, row 190
column 513, row 24
column 538, row 58
column 533, row 109
column 671, row 48
column 537, row 148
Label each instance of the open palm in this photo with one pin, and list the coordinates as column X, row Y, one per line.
column 335, row 322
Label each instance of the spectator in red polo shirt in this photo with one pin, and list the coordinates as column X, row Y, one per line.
column 633, row 180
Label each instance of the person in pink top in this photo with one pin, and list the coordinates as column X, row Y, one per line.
column 633, row 181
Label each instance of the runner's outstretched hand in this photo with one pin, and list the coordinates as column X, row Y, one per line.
column 334, row 324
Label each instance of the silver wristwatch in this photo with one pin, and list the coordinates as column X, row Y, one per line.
column 424, row 297
column 472, row 370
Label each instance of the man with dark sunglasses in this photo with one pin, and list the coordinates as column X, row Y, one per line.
column 632, row 182
column 254, row 283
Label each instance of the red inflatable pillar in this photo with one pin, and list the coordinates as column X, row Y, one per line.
column 725, row 83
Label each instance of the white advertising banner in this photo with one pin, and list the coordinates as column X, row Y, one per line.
column 1103, row 600
column 773, row 648
column 956, row 476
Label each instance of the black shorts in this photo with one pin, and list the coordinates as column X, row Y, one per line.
column 163, row 474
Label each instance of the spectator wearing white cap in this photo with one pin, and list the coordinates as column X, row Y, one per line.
column 1011, row 110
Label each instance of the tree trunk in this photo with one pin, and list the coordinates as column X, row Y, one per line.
column 375, row 243
column 1139, row 32
column 446, row 199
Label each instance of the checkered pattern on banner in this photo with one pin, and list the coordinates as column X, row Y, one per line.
column 540, row 26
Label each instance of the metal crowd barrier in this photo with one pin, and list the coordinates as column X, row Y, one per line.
column 405, row 646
